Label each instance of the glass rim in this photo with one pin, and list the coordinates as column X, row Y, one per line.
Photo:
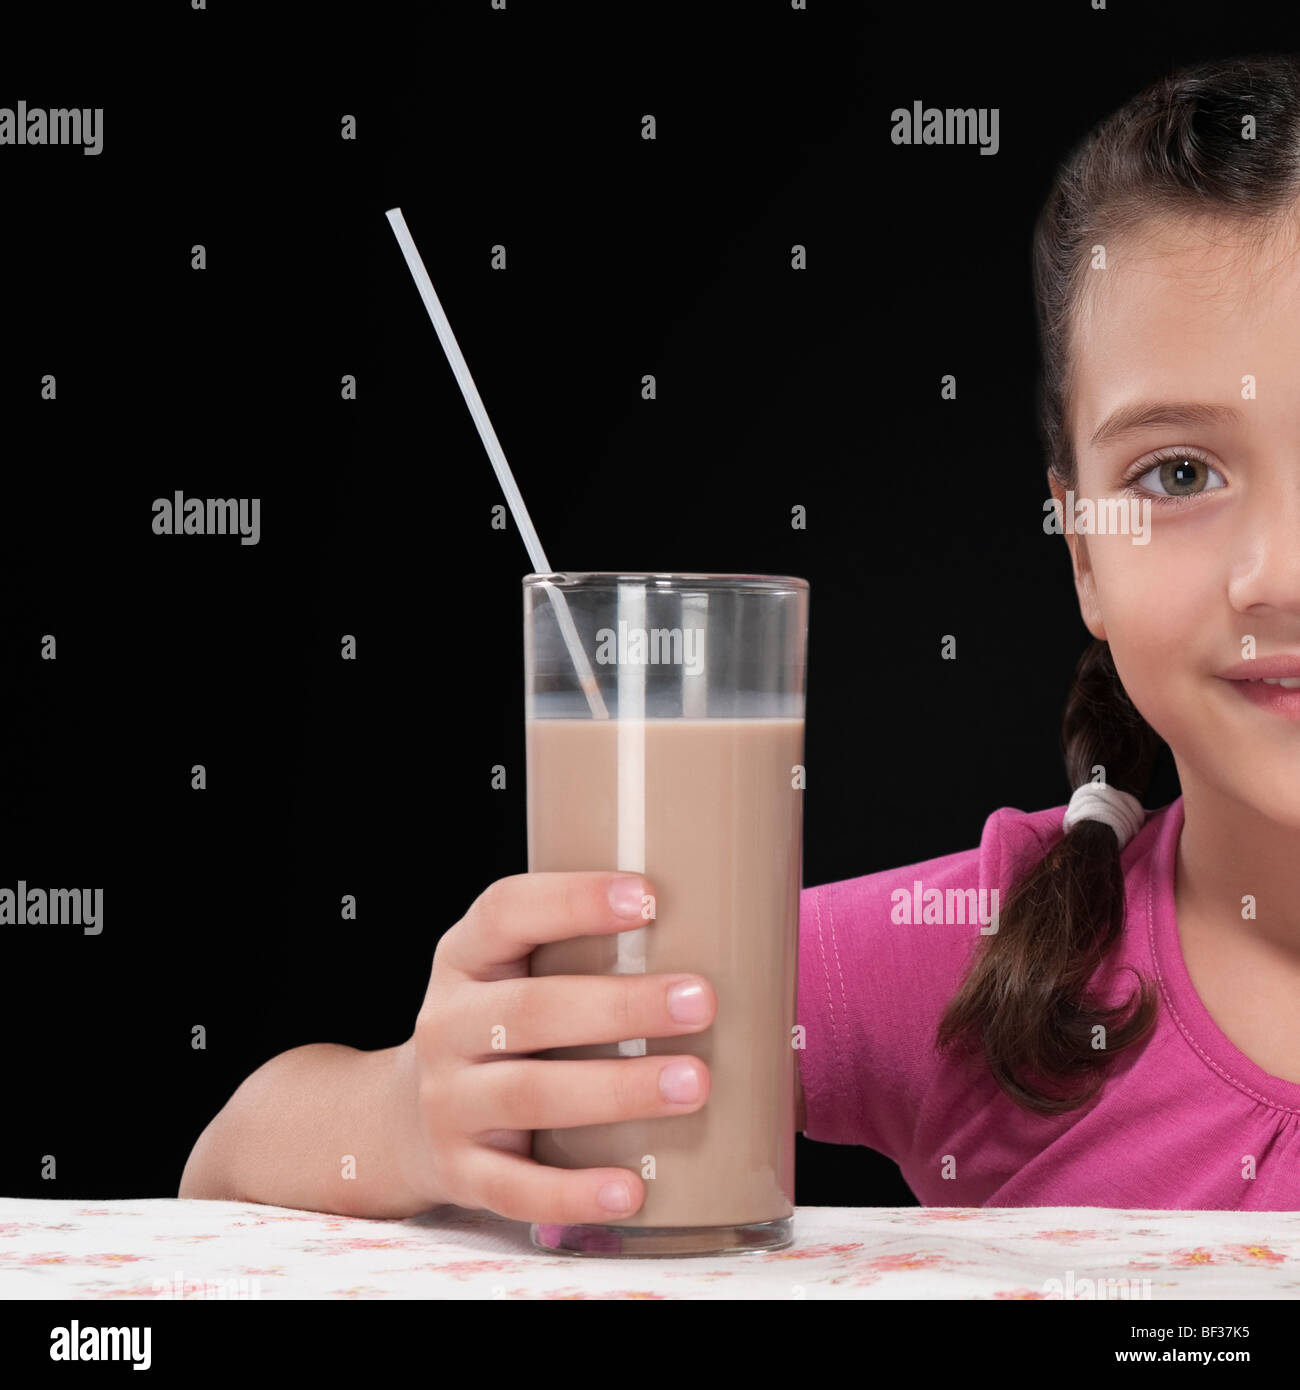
column 666, row 580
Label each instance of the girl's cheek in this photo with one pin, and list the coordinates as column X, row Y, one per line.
column 1157, row 592
column 1157, row 602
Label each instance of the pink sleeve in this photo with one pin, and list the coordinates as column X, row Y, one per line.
column 873, row 989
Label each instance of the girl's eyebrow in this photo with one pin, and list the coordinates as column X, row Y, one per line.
column 1141, row 415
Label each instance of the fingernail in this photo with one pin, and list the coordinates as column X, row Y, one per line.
column 679, row 1083
column 686, row 1002
column 614, row 1196
column 625, row 897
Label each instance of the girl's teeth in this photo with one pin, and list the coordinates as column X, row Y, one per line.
column 1286, row 682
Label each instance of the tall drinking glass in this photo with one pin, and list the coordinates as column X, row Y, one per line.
column 695, row 779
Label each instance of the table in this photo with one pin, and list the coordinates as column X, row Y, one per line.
column 184, row 1248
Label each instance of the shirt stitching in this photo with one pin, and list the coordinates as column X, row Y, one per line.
column 836, row 1049
column 1182, row 1027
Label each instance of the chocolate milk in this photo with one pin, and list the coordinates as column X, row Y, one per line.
column 720, row 825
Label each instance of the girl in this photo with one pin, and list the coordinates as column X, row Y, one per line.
column 1136, row 1010
column 1123, row 1029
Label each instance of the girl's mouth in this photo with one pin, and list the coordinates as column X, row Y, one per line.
column 1278, row 695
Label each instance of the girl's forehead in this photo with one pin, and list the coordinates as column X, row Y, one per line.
column 1171, row 265
column 1183, row 309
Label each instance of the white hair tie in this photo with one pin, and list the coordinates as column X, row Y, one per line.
column 1102, row 802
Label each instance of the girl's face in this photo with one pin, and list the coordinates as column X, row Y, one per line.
column 1194, row 315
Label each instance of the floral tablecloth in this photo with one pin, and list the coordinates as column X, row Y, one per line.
column 174, row 1248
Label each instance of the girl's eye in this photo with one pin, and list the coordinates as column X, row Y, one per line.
column 1177, row 474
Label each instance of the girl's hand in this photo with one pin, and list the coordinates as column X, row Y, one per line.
column 472, row 1107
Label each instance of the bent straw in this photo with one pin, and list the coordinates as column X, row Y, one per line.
column 502, row 469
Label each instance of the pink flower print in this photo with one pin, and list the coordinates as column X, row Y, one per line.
column 812, row 1252
column 54, row 1257
column 1185, row 1259
column 1254, row 1254
column 356, row 1243
column 884, row 1263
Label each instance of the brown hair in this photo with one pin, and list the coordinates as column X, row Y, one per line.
column 1178, row 149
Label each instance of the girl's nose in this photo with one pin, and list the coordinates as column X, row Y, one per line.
column 1265, row 557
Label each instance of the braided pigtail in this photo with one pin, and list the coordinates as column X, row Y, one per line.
column 1025, row 1002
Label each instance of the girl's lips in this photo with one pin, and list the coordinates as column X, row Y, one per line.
column 1277, row 699
column 1263, row 666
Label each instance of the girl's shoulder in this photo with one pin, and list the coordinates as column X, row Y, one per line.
column 1011, row 839
column 1010, row 842
column 901, row 939
column 880, row 957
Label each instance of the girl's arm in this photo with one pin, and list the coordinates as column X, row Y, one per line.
column 297, row 1126
column 283, row 1138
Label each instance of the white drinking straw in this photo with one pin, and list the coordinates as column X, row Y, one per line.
column 490, row 442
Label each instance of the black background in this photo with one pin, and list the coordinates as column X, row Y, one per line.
column 625, row 257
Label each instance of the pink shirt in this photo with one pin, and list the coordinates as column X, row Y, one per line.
column 1176, row 1126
